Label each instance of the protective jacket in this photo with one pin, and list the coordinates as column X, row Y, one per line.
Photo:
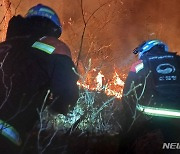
column 30, row 67
column 151, row 108
column 153, row 83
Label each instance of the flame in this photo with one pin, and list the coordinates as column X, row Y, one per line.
column 117, row 80
column 111, row 87
column 115, row 87
column 99, row 79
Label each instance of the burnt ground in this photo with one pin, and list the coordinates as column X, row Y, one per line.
column 149, row 143
column 139, row 141
column 143, row 138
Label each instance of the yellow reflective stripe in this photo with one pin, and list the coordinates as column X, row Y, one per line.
column 10, row 133
column 162, row 112
column 44, row 47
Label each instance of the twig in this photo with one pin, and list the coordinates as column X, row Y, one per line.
column 50, row 141
column 17, row 6
column 145, row 80
column 85, row 26
column 41, row 122
column 5, row 14
column 102, row 107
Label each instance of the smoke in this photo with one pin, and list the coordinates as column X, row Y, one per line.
column 116, row 27
column 123, row 25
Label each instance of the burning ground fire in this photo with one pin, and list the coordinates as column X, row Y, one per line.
column 111, row 87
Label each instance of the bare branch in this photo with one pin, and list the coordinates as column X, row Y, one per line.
column 137, row 99
column 17, row 6
column 41, row 121
column 85, row 26
column 50, row 141
column 5, row 13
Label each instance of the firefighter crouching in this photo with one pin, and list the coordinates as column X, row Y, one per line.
column 151, row 99
column 33, row 61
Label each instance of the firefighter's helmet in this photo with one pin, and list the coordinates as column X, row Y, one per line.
column 44, row 12
column 148, row 45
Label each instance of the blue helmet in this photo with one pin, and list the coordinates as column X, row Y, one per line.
column 148, row 45
column 44, row 11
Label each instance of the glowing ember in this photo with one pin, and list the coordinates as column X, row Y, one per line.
column 111, row 87
column 117, row 80
column 83, row 85
column 115, row 87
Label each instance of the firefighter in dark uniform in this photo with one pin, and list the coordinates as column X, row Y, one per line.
column 151, row 94
column 33, row 61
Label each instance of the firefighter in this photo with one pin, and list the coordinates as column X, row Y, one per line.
column 151, row 93
column 34, row 64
